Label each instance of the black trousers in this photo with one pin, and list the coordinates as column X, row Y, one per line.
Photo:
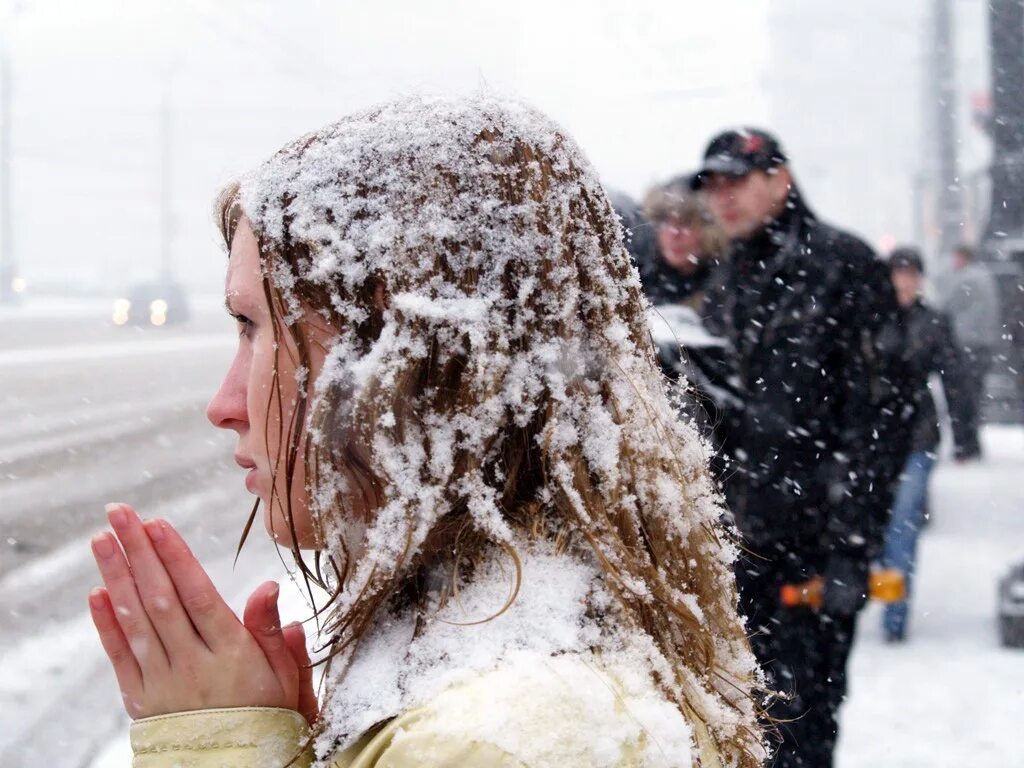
column 977, row 362
column 803, row 652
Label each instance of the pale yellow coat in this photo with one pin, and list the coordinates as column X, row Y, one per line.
column 578, row 717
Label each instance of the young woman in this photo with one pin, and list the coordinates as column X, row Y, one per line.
column 445, row 386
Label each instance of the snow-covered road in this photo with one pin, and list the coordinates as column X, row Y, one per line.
column 90, row 414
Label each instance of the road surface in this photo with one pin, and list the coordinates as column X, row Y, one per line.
column 91, row 413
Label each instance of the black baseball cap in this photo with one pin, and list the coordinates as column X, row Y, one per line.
column 738, row 152
column 906, row 257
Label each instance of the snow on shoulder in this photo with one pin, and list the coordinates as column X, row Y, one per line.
column 526, row 680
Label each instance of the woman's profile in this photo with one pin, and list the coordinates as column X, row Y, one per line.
column 449, row 407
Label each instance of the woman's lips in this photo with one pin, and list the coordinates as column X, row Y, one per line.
column 250, row 478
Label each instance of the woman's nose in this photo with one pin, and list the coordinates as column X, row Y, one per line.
column 227, row 409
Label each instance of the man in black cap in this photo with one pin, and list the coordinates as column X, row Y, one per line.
column 806, row 307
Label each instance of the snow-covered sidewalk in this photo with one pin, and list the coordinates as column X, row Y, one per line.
column 950, row 695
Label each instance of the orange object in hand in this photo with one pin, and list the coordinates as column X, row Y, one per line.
column 810, row 593
column 886, row 585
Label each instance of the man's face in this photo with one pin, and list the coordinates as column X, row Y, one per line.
column 907, row 282
column 742, row 205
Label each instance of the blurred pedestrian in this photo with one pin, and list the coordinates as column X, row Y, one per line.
column 689, row 244
column 971, row 299
column 929, row 346
column 687, row 247
column 802, row 303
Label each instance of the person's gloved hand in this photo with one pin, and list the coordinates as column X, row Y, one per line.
column 846, row 583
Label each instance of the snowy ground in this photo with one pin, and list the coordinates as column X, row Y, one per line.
column 950, row 696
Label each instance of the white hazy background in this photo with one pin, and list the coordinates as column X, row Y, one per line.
column 641, row 85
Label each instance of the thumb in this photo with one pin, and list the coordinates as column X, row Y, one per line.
column 263, row 621
column 295, row 640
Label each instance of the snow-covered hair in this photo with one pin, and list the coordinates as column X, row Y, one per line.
column 493, row 359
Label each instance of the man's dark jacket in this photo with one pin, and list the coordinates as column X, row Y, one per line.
column 929, row 346
column 818, row 443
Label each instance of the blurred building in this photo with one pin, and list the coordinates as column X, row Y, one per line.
column 887, row 112
column 853, row 98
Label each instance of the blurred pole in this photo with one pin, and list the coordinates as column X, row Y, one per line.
column 7, row 266
column 1004, row 234
column 943, row 86
column 1006, row 37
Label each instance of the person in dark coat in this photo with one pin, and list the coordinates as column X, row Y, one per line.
column 677, row 247
column 928, row 346
column 805, row 306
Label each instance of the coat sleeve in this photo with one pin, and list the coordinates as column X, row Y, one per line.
column 860, row 506
column 245, row 737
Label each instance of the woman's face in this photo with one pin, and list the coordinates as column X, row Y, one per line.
column 680, row 246
column 247, row 399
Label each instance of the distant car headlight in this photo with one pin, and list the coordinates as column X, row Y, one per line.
column 158, row 311
column 121, row 308
column 19, row 284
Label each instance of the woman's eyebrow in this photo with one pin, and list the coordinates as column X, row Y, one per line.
column 230, row 310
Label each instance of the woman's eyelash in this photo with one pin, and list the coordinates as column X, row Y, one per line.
column 245, row 324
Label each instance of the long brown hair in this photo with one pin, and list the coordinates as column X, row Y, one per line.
column 504, row 389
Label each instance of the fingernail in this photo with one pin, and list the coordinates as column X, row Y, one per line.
column 155, row 529
column 96, row 599
column 116, row 515
column 103, row 546
column 272, row 597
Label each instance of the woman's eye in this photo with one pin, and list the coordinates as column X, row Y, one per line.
column 245, row 326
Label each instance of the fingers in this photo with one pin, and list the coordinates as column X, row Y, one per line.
column 128, row 611
column 295, row 639
column 263, row 621
column 115, row 644
column 156, row 592
column 212, row 618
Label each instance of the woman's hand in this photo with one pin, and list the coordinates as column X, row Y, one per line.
column 174, row 643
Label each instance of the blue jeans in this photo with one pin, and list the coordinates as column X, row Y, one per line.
column 907, row 519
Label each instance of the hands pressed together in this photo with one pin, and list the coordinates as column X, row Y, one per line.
column 174, row 643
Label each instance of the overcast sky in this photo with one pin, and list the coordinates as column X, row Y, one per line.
column 641, row 85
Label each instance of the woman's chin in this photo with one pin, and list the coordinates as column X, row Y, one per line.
column 282, row 535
